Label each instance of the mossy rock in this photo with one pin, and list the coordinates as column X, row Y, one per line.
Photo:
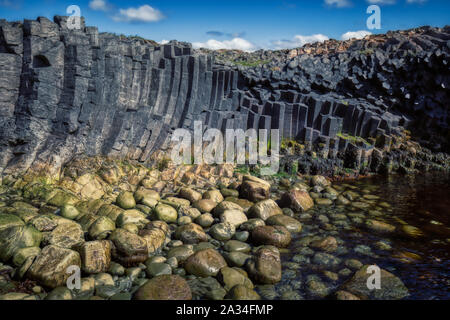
column 17, row 237
column 125, row 200
column 166, row 213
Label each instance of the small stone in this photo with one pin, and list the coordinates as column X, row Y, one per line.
column 353, row 264
column 132, row 216
column 254, row 189
column 190, row 194
column 277, row 236
column 341, row 200
column 103, row 279
column 265, row 267
column 125, row 200
column 190, row 234
column 214, row 195
column 241, row 236
column 230, row 277
column 205, row 263
column 116, row 269
column 146, row 197
column 222, row 231
column 234, row 217
column 193, row 213
column 392, row 287
column 157, row 269
column 320, row 181
column 293, row 225
column 411, row 232
column 59, row 293
column 184, row 220
column 172, row 262
column 95, row 256
column 229, row 192
column 241, row 292
column 205, row 205
column 129, row 249
column 182, row 253
column 328, row 244
column 251, row 224
column 298, row 201
column 101, row 228
column 317, row 289
column 205, row 220
column 224, row 206
column 379, row 226
column 264, row 210
column 69, row 212
column 236, row 246
column 106, row 291
column 323, row 202
column 166, row 213
column 344, row 295
column 178, row 202
column 326, row 260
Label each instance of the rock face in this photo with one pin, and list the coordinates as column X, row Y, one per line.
column 67, row 92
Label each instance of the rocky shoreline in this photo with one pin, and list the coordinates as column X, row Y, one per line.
column 85, row 182
column 199, row 232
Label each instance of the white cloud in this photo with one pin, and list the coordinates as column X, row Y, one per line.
column 355, row 34
column 164, row 42
column 297, row 41
column 338, row 3
column 144, row 13
column 98, row 5
column 416, row 1
column 381, row 1
column 236, row 43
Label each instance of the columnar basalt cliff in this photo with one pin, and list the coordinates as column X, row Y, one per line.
column 66, row 93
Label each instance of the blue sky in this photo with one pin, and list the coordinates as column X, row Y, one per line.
column 244, row 24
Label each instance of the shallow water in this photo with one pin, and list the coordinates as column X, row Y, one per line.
column 422, row 263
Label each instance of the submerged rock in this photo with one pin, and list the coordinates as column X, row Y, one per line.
column 392, row 288
column 265, row 266
column 291, row 224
